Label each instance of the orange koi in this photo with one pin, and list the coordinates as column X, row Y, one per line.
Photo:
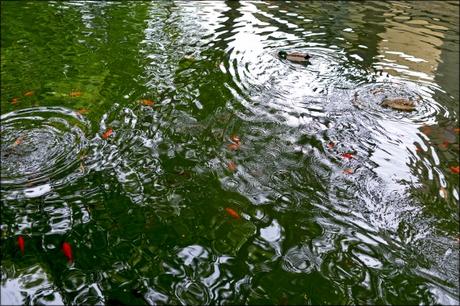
column 455, row 170
column 444, row 144
column 348, row 171
column 18, row 141
column 21, row 244
column 29, row 94
column 331, row 145
column 347, row 155
column 147, row 102
column 107, row 133
column 232, row 213
column 14, row 100
column 82, row 111
column 231, row 165
column 75, row 94
column 233, row 146
column 235, row 139
column 67, row 250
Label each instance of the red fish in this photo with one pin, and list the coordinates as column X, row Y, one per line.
column 67, row 250
column 232, row 213
column 29, row 94
column 14, row 100
column 107, row 133
column 21, row 244
column 330, row 145
column 347, row 155
column 348, row 171
column 455, row 169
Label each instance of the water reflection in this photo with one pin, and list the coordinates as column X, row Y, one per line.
column 332, row 190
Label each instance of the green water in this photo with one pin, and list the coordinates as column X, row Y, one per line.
column 328, row 197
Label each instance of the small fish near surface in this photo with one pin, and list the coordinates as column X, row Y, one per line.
column 232, row 212
column 21, row 244
column 297, row 57
column 67, row 250
column 401, row 104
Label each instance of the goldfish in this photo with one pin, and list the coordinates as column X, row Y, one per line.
column 67, row 250
column 235, row 139
column 348, row 171
column 21, row 244
column 455, row 170
column 18, row 141
column 75, row 94
column 330, row 145
column 14, row 100
column 82, row 111
column 231, row 165
column 107, row 133
column 418, row 149
column 232, row 213
column 29, row 93
column 347, row 155
column 233, row 146
column 443, row 192
column 147, row 102
column 444, row 144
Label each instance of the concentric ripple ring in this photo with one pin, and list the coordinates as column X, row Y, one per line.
column 41, row 148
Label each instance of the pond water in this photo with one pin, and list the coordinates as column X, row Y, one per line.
column 184, row 162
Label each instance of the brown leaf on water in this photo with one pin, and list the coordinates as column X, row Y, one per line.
column 75, row 94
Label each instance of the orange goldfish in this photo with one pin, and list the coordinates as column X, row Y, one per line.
column 233, row 146
column 232, row 213
column 107, row 133
column 331, row 145
column 455, row 170
column 67, row 250
column 231, row 165
column 235, row 139
column 75, row 94
column 348, row 171
column 147, row 102
column 21, row 244
column 14, row 100
column 347, row 155
column 29, row 93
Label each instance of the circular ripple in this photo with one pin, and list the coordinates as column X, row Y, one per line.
column 41, row 148
column 369, row 97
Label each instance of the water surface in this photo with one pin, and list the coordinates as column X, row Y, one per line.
column 118, row 136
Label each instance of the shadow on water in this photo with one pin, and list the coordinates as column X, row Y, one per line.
column 185, row 163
